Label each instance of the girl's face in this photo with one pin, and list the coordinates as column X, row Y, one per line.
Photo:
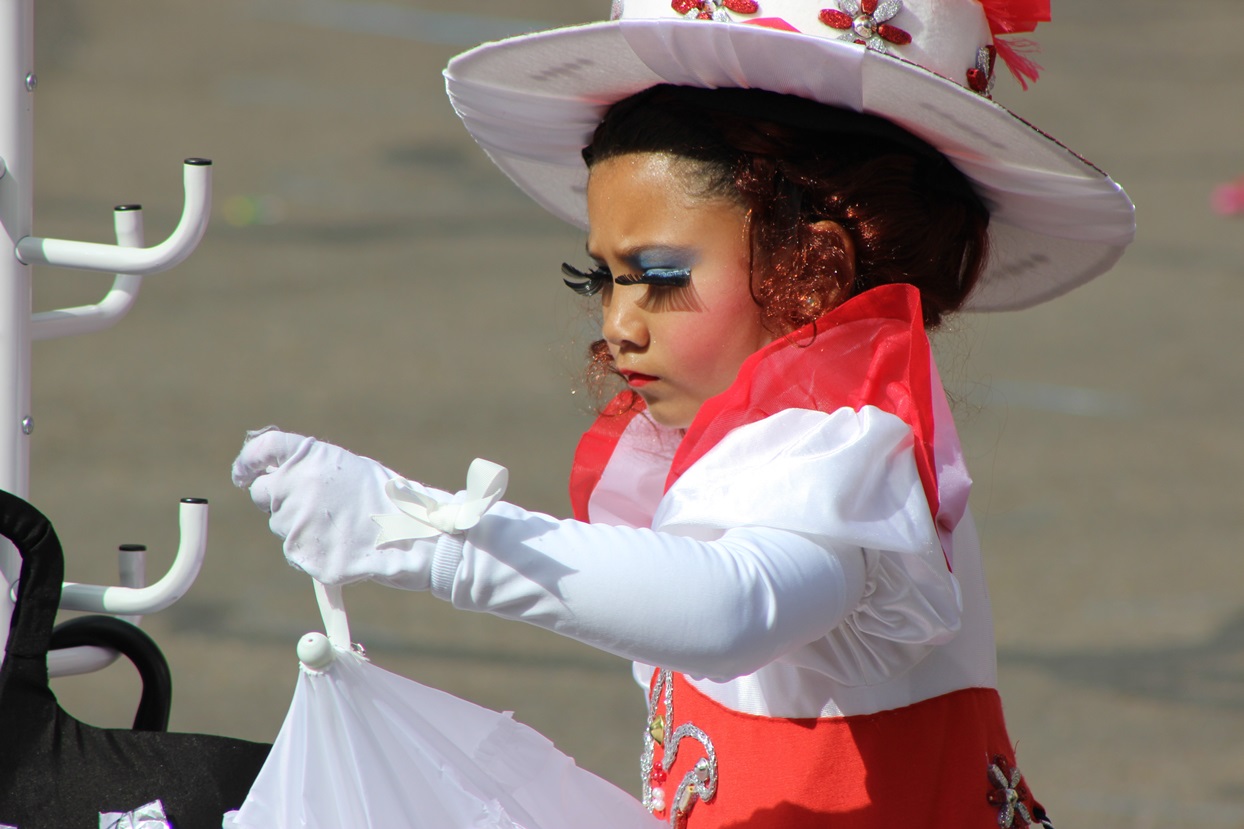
column 677, row 308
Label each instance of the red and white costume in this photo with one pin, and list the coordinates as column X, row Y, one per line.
column 788, row 564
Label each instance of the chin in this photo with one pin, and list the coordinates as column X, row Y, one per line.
column 668, row 419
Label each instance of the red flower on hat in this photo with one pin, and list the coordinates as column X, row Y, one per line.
column 864, row 21
column 714, row 9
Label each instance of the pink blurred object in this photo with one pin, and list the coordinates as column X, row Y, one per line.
column 1228, row 199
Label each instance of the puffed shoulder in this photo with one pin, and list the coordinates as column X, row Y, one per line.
column 849, row 480
column 848, row 475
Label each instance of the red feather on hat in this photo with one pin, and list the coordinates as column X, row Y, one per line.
column 1009, row 17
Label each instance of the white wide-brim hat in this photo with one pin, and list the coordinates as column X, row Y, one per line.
column 1056, row 221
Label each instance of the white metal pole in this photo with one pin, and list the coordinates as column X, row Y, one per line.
column 17, row 84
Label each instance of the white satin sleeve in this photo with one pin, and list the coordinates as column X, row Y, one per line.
column 715, row 609
column 804, row 538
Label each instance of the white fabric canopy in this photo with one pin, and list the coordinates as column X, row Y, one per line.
column 367, row 749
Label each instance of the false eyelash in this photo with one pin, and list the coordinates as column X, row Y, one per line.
column 658, row 277
column 589, row 283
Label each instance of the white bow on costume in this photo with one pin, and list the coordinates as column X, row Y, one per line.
column 422, row 516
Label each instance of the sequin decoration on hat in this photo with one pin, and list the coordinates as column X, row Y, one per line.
column 980, row 76
column 865, row 22
column 714, row 9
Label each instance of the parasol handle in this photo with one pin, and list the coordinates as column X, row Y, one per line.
column 316, row 650
column 333, row 612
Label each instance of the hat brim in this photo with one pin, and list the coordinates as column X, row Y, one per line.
column 533, row 102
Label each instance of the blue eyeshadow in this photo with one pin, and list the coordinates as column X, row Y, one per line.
column 663, row 258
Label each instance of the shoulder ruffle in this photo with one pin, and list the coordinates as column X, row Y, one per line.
column 866, row 493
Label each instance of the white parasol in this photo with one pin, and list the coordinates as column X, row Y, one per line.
column 365, row 748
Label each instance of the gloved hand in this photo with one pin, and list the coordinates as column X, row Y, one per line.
column 321, row 499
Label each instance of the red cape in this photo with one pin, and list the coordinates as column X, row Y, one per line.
column 870, row 351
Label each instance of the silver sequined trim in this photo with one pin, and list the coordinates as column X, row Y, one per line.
column 700, row 783
column 663, row 685
column 982, row 63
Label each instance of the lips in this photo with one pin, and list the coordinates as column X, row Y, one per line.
column 635, row 379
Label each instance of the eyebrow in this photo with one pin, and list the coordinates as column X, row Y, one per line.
column 647, row 257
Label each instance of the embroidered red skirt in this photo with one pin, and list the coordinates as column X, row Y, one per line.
column 944, row 763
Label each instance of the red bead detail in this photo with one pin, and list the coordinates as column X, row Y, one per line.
column 658, row 776
column 836, row 19
column 704, row 16
column 893, row 34
column 742, row 6
column 978, row 81
column 868, row 7
column 684, row 6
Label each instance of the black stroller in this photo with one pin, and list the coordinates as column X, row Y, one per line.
column 59, row 773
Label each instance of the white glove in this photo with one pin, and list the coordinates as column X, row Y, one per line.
column 321, row 499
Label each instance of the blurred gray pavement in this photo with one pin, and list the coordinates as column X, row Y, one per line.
column 369, row 278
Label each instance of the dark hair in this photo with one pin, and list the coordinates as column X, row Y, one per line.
column 792, row 163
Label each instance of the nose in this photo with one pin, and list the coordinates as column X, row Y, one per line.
column 624, row 323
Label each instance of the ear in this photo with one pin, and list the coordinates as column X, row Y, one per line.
column 831, row 242
column 831, row 234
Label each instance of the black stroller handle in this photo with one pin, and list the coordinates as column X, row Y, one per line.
column 32, row 633
column 42, row 573
column 156, row 702
column 59, row 773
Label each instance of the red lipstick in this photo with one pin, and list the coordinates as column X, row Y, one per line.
column 635, row 379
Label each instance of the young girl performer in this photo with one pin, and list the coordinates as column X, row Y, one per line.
column 771, row 520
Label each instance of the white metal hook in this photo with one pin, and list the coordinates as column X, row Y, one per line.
column 87, row 319
column 87, row 659
column 123, row 601
column 92, row 256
